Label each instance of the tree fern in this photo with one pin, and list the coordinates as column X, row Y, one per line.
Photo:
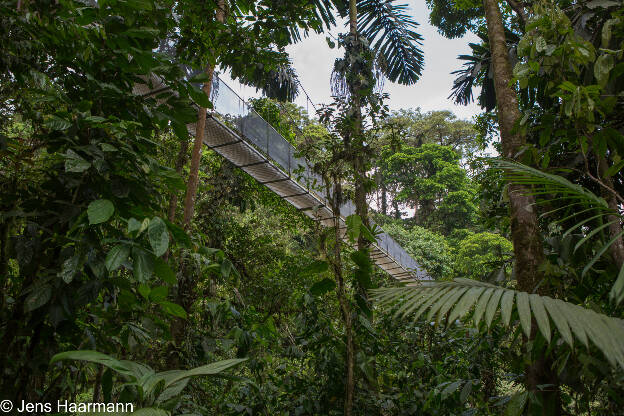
column 588, row 208
column 447, row 301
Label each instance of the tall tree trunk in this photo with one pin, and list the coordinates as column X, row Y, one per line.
column 355, row 146
column 617, row 248
column 180, row 162
column 397, row 211
column 186, row 286
column 384, row 198
column 193, row 181
column 355, row 149
column 359, row 156
column 345, row 310
column 173, row 201
column 524, row 225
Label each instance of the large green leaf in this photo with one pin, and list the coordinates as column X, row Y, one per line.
column 38, row 296
column 70, row 268
column 142, row 264
column 169, row 383
column 617, row 291
column 539, row 312
column 321, row 287
column 516, row 405
column 459, row 297
column 158, row 236
column 392, row 33
column 75, row 163
column 116, row 256
column 163, row 271
column 585, row 203
column 100, row 211
column 205, row 370
column 94, row 357
column 315, row 267
column 173, row 309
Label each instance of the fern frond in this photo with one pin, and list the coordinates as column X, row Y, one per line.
column 553, row 184
column 546, row 183
column 447, row 301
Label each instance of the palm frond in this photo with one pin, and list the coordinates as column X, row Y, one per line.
column 324, row 12
column 546, row 183
column 281, row 83
column 476, row 71
column 447, row 301
column 551, row 184
column 392, row 34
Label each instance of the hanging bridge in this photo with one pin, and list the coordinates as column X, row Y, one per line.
column 239, row 134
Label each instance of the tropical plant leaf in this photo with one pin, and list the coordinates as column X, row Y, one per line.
column 205, row 370
column 516, row 404
column 158, row 236
column 548, row 184
column 100, row 211
column 323, row 286
column 460, row 298
column 168, row 383
column 539, row 312
column 116, row 256
column 94, row 357
column 392, row 34
column 38, row 296
column 553, row 184
column 617, row 291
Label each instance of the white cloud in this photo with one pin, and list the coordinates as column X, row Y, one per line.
column 313, row 60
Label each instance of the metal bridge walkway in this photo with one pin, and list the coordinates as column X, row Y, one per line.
column 239, row 134
column 235, row 131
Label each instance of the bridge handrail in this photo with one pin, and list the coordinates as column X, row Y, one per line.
column 240, row 115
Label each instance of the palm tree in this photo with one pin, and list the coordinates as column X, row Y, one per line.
column 382, row 36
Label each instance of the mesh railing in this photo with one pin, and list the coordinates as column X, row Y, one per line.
column 240, row 116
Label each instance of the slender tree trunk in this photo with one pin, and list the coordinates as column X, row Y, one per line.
column 355, row 150
column 355, row 146
column 345, row 310
column 186, row 286
column 97, row 385
column 524, row 224
column 360, row 164
column 384, row 199
column 180, row 162
column 397, row 211
column 173, row 201
column 193, row 181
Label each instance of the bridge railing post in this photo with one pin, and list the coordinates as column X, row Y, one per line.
column 267, row 128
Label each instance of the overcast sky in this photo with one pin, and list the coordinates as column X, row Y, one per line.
column 313, row 61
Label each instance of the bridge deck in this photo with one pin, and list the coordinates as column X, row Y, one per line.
column 238, row 133
column 235, row 131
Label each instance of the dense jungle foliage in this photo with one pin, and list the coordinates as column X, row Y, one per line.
column 138, row 266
